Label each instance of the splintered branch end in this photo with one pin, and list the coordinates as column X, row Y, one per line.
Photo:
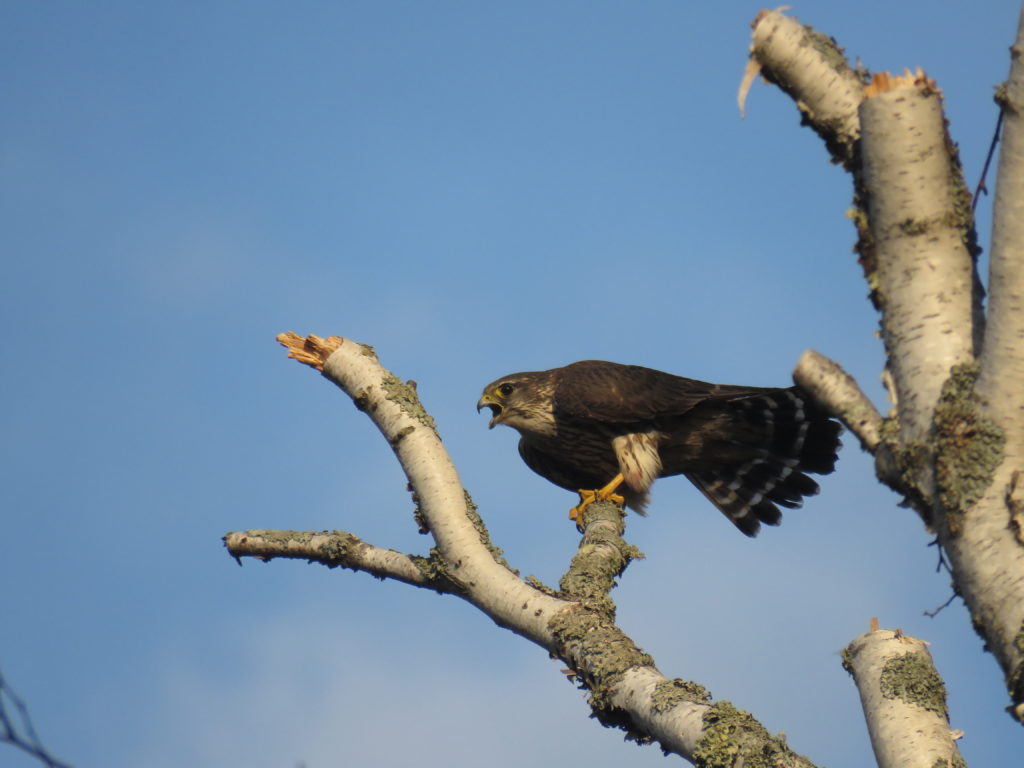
column 883, row 82
column 310, row 350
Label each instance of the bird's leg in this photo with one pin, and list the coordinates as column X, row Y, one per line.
column 602, row 494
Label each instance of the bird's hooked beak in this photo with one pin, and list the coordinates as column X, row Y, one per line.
column 490, row 400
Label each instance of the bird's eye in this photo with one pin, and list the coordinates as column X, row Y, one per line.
column 505, row 390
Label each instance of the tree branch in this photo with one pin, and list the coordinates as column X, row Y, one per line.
column 904, row 700
column 340, row 549
column 17, row 730
column 834, row 388
column 576, row 624
column 839, row 393
column 983, row 438
column 916, row 215
column 444, row 507
column 956, row 435
column 812, row 69
column 1002, row 362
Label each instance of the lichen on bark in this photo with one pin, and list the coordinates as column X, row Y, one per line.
column 912, row 678
column 733, row 737
column 588, row 634
column 602, row 557
column 969, row 445
column 669, row 693
column 403, row 394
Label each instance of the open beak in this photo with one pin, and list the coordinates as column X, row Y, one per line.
column 487, row 401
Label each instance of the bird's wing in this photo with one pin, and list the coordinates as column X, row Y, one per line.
column 615, row 393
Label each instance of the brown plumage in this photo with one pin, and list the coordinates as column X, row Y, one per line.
column 747, row 449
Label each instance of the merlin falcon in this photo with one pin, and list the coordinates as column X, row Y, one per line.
column 609, row 431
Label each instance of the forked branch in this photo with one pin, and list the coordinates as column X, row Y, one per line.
column 575, row 624
column 952, row 445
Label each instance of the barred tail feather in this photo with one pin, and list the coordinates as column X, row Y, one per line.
column 785, row 436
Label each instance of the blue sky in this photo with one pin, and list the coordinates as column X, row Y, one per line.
column 474, row 188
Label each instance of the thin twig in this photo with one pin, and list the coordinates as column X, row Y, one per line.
column 941, row 608
column 942, row 557
column 17, row 729
column 988, row 161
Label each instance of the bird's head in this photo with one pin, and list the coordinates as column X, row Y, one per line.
column 521, row 401
column 498, row 396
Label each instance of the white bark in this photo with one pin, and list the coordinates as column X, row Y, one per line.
column 904, row 701
column 331, row 548
column 811, row 67
column 987, row 559
column 989, row 552
column 830, row 385
column 837, row 391
column 960, row 465
column 678, row 727
column 924, row 271
column 410, row 432
column 1002, row 363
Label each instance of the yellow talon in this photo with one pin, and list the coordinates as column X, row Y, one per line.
column 603, row 494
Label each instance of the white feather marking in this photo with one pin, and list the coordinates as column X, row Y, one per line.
column 638, row 458
column 805, row 425
column 799, row 403
column 737, row 482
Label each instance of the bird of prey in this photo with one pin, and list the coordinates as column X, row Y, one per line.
column 598, row 427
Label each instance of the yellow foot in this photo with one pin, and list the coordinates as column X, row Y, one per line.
column 603, row 494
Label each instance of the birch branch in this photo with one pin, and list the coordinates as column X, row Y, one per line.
column 925, row 272
column 917, row 247
column 838, row 391
column 1002, row 363
column 576, row 624
column 810, row 67
column 904, row 701
column 445, row 509
column 983, row 437
column 956, row 436
column 340, row 549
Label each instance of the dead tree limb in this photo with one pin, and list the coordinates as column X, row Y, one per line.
column 575, row 623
